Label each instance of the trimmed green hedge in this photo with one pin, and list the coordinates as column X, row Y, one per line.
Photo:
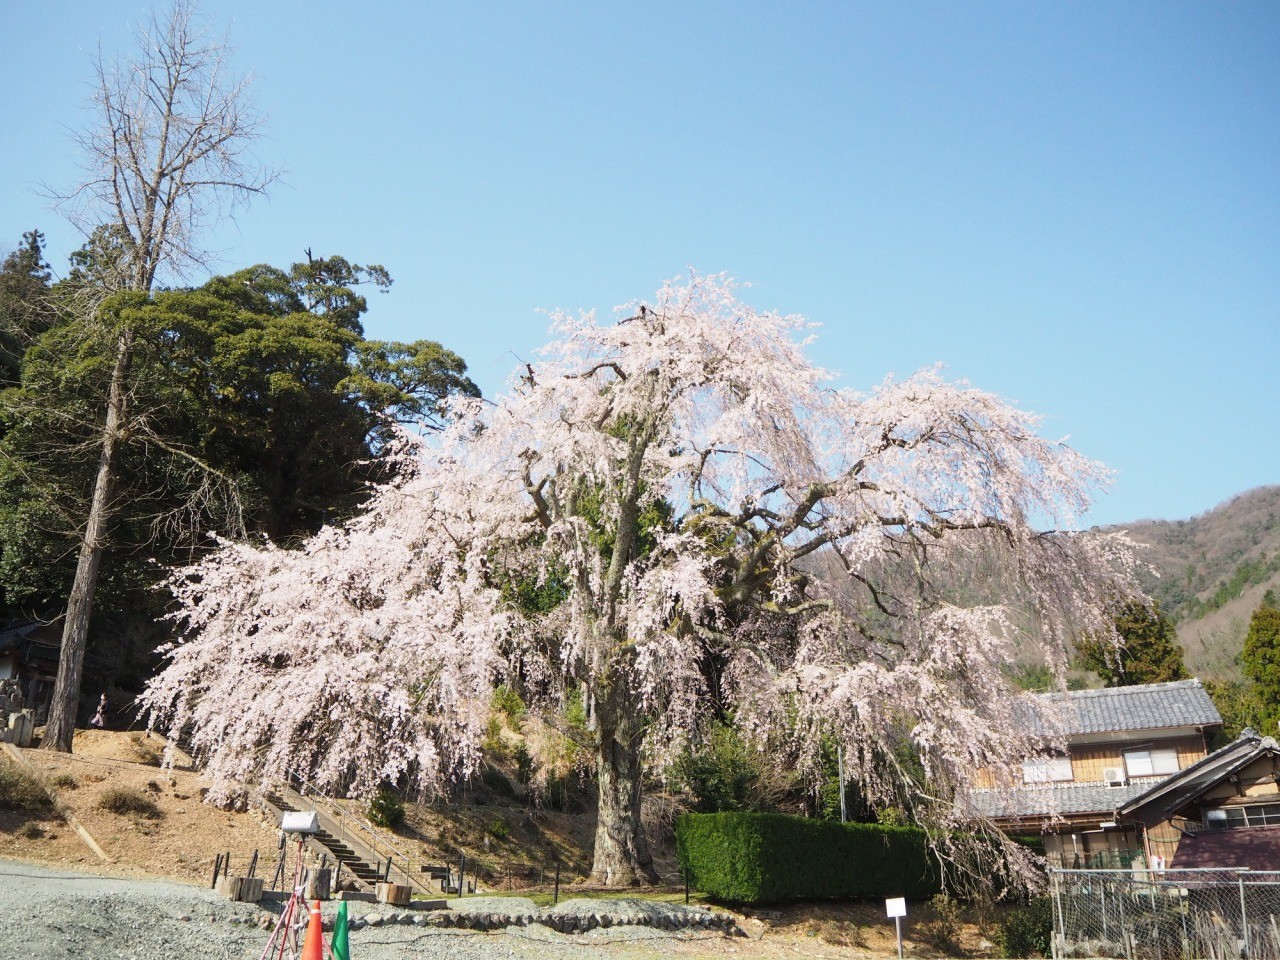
column 767, row 857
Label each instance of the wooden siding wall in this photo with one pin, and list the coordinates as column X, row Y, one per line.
column 1163, row 839
column 1255, row 782
column 1089, row 848
column 1089, row 761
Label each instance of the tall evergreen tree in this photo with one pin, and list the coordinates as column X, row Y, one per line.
column 25, row 310
column 168, row 150
column 261, row 374
column 1261, row 660
column 1150, row 654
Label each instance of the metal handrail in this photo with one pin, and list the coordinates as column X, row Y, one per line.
column 369, row 836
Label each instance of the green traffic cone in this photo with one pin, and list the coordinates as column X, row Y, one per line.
column 340, row 946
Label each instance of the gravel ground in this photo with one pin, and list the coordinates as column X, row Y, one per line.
column 47, row 914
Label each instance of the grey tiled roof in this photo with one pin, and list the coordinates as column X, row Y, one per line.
column 1153, row 706
column 1063, row 798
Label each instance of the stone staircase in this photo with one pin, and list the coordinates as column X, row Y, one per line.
column 352, row 862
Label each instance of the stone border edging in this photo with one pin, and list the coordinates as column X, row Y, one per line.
column 485, row 921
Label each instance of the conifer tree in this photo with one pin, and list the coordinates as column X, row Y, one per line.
column 1261, row 660
column 1150, row 652
column 169, row 149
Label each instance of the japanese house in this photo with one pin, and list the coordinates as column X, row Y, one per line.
column 1121, row 742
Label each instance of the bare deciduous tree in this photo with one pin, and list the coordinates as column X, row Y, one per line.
column 170, row 153
column 171, row 149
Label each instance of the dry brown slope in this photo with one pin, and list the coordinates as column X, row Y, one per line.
column 1208, row 566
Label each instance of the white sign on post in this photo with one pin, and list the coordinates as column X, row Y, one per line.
column 896, row 907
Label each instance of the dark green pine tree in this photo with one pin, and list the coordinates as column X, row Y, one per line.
column 1261, row 660
column 1151, row 652
column 25, row 310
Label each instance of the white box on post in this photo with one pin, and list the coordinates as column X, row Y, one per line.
column 896, row 907
column 300, row 821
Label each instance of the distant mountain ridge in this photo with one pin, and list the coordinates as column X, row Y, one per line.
column 1214, row 569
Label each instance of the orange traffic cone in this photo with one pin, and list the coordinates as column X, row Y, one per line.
column 313, row 943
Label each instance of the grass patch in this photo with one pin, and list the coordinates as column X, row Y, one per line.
column 545, row 898
column 124, row 801
column 22, row 790
column 63, row 781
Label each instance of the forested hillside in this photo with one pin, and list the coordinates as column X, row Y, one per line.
column 1213, row 570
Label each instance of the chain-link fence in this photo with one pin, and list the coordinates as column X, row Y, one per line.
column 1166, row 914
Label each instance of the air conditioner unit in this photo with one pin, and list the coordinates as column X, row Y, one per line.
column 1115, row 776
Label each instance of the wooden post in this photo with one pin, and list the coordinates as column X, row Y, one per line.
column 217, row 869
column 397, row 894
column 462, row 874
column 244, row 889
column 557, row 896
column 317, row 883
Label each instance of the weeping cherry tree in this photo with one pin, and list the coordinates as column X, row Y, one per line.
column 677, row 480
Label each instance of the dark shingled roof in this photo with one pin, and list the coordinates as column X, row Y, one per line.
column 1062, row 798
column 33, row 641
column 1153, row 706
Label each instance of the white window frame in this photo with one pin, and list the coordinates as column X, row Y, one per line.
column 1244, row 815
column 1047, row 770
column 1151, row 762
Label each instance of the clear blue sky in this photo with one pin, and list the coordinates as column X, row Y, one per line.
column 1074, row 205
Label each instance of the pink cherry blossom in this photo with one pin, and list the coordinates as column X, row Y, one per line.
column 864, row 565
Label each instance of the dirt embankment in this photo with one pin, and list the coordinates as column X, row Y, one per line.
column 173, row 835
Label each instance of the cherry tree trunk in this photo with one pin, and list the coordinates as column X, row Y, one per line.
column 622, row 855
column 61, row 726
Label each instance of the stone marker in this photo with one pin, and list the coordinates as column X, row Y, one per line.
column 21, row 728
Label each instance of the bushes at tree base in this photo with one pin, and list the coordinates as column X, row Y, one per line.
column 22, row 791
column 386, row 809
column 767, row 857
column 1027, row 930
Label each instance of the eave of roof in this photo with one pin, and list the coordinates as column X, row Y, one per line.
column 1167, row 796
column 1041, row 803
